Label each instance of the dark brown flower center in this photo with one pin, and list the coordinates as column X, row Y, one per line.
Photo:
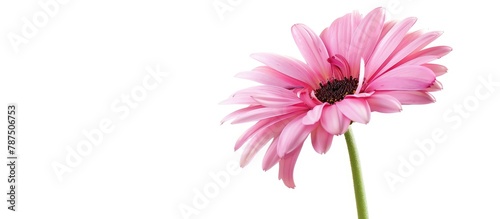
column 335, row 90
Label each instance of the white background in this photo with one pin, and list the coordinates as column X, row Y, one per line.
column 67, row 76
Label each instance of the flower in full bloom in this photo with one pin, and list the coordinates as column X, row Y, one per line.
column 357, row 65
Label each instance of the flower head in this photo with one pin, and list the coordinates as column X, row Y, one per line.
column 356, row 66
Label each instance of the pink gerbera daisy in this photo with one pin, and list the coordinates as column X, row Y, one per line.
column 356, row 66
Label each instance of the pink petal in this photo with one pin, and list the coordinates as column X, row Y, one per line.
column 267, row 112
column 265, row 95
column 387, row 27
column 288, row 66
column 276, row 102
column 436, row 86
column 387, row 45
column 267, row 91
column 410, row 97
column 409, row 38
column 308, row 98
column 313, row 115
column 365, row 38
column 277, row 123
column 240, row 100
column 333, row 121
column 262, row 124
column 321, row 140
column 384, row 103
column 338, row 36
column 407, row 48
column 239, row 112
column 425, row 56
column 254, row 146
column 271, row 157
column 366, row 94
column 269, row 76
column 287, row 164
column 406, row 77
column 293, row 135
column 273, row 96
column 312, row 49
column 356, row 109
column 437, row 69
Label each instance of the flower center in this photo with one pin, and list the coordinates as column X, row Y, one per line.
column 335, row 90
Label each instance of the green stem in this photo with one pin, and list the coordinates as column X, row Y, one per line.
column 357, row 179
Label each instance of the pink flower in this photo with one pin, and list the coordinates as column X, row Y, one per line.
column 356, row 66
